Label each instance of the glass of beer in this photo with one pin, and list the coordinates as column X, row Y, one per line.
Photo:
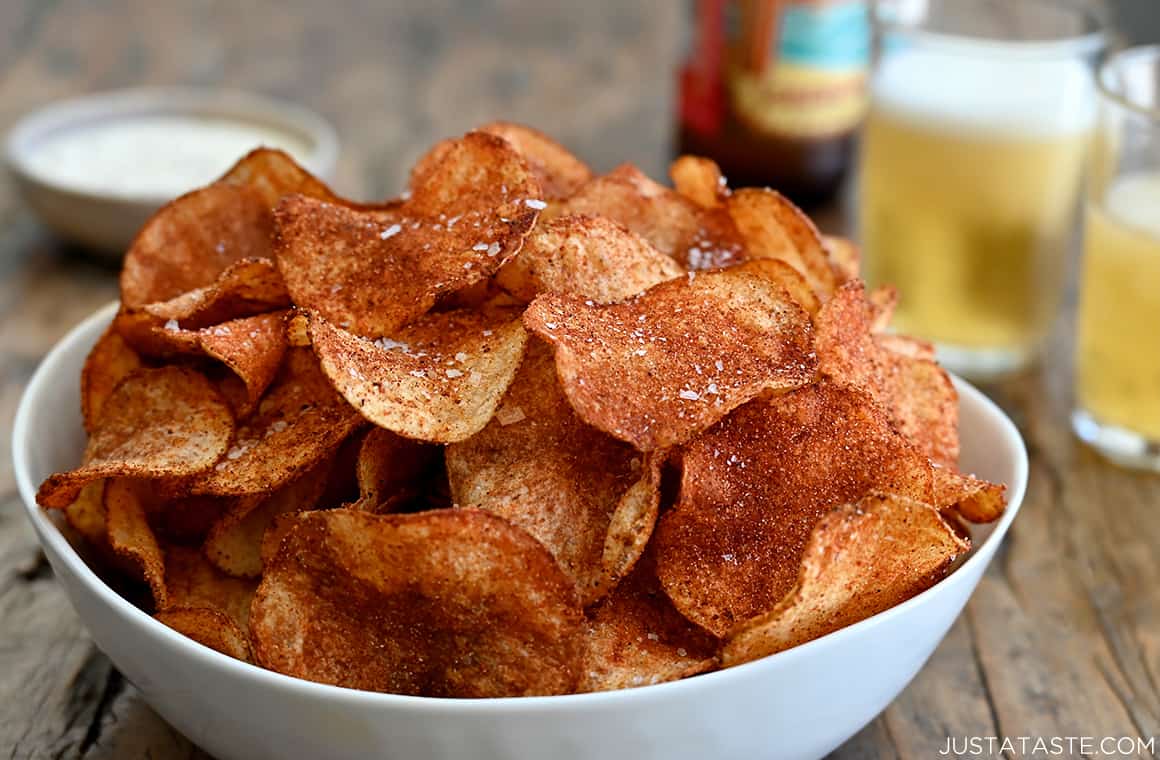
column 1118, row 342
column 971, row 169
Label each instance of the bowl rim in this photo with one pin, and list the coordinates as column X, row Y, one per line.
column 54, row 540
column 320, row 137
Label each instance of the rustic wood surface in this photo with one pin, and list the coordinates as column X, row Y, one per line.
column 1062, row 637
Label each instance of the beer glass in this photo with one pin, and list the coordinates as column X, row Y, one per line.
column 1118, row 342
column 972, row 162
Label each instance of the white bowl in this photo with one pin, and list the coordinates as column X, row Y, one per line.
column 107, row 222
column 800, row 703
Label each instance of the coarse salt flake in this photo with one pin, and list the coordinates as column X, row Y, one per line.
column 391, row 231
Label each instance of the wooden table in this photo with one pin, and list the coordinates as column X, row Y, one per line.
column 1062, row 637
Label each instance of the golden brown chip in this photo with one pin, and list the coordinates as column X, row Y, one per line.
column 244, row 288
column 275, row 532
column 234, row 542
column 300, row 422
column 449, row 603
column 637, row 638
column 861, row 559
column 192, row 581
column 883, row 301
column 975, row 499
column 773, row 228
column 209, row 627
column 158, row 423
column 590, row 499
column 438, row 380
column 189, row 242
column 391, row 469
column 917, row 393
column 559, row 173
column 586, row 256
column 845, row 256
column 754, row 486
column 906, row 345
column 131, row 537
column 700, row 180
column 659, row 368
column 110, row 362
column 676, row 226
column 372, row 272
column 784, row 275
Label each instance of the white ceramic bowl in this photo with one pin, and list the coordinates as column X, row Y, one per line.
column 106, row 223
column 801, row 703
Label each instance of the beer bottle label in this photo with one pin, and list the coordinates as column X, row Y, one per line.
column 813, row 83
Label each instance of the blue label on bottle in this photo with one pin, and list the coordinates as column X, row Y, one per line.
column 834, row 35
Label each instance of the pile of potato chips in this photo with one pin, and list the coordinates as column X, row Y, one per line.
column 522, row 430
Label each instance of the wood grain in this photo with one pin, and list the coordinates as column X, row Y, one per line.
column 1062, row 636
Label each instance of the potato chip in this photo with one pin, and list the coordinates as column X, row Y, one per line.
column 166, row 422
column 449, row 603
column 637, row 638
column 110, row 362
column 438, row 380
column 587, row 497
column 191, row 240
column 209, row 627
column 131, row 537
column 917, row 393
column 845, row 257
column 372, row 272
column 234, row 542
column 659, row 368
column 861, row 559
column 182, row 519
column 391, row 469
column 586, row 256
column 773, row 228
column 973, row 498
column 559, row 173
column 300, row 422
column 244, row 288
column 700, row 180
column 192, row 581
column 754, row 486
column 676, row 226
column 883, row 301
column 791, row 280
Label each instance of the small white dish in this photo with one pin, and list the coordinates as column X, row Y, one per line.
column 105, row 219
column 798, row 704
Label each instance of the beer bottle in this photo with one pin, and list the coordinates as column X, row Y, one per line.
column 774, row 91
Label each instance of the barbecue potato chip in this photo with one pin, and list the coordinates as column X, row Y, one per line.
column 917, row 393
column 780, row 273
column 192, row 581
column 637, row 638
column 131, row 537
column 657, row 369
column 110, row 362
column 87, row 515
column 975, row 499
column 300, row 422
column 700, row 180
column 448, row 603
column 585, row 256
column 390, row 469
column 438, row 380
column 773, row 228
column 234, row 542
column 845, row 257
column 583, row 494
column 676, row 226
column 883, row 301
column 861, row 559
column 181, row 519
column 244, row 288
column 754, row 486
column 191, row 240
column 166, row 422
column 373, row 272
column 559, row 173
column 209, row 627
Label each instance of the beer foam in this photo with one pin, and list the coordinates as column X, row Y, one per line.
column 986, row 91
column 1133, row 199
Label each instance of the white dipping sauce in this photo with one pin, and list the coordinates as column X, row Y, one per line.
column 151, row 156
